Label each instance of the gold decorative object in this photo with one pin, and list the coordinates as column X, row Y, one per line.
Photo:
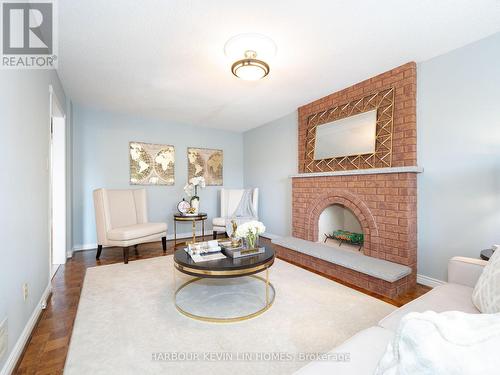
column 235, row 241
column 207, row 163
column 383, row 102
column 151, row 164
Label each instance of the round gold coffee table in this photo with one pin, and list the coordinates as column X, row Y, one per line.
column 238, row 274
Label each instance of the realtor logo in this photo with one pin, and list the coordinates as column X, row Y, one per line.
column 28, row 35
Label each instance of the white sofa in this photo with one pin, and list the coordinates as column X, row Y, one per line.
column 229, row 200
column 122, row 220
column 367, row 347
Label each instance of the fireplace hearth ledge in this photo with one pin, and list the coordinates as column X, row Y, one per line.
column 378, row 268
column 353, row 172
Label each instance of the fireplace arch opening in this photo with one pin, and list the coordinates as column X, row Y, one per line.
column 338, row 226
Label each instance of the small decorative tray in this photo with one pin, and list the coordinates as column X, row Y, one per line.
column 242, row 252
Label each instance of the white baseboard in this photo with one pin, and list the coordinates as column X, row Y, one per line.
column 429, row 281
column 88, row 246
column 93, row 246
column 18, row 348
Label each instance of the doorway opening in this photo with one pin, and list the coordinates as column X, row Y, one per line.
column 57, row 188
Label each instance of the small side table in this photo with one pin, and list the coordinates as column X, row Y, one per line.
column 486, row 254
column 193, row 219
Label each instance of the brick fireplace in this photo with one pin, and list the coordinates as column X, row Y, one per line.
column 384, row 203
column 382, row 193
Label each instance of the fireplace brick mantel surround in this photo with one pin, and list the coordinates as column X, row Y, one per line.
column 384, row 203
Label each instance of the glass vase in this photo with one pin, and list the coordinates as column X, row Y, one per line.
column 195, row 203
column 252, row 242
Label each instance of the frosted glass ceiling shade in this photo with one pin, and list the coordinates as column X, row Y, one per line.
column 250, row 69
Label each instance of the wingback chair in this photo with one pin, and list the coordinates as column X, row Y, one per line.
column 229, row 200
column 122, row 220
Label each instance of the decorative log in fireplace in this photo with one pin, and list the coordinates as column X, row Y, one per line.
column 346, row 236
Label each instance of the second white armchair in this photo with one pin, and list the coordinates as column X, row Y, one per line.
column 229, row 201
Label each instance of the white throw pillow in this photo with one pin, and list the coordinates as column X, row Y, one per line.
column 448, row 343
column 486, row 294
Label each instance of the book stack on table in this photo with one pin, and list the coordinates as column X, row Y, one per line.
column 205, row 251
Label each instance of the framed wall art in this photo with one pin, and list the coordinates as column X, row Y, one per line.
column 151, row 164
column 207, row 163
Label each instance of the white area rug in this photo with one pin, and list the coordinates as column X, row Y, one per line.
column 126, row 315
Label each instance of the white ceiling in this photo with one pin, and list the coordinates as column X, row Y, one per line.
column 165, row 59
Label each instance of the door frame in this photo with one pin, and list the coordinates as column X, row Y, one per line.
column 56, row 110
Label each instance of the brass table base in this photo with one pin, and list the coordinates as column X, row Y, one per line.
column 269, row 302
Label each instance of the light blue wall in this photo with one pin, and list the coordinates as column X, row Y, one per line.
column 458, row 104
column 24, row 151
column 270, row 157
column 100, row 159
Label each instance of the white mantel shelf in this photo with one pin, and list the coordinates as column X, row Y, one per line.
column 355, row 172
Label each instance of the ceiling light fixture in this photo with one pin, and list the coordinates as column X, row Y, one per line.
column 245, row 48
column 249, row 68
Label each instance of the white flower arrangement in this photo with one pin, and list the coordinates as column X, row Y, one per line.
column 251, row 231
column 198, row 181
column 191, row 189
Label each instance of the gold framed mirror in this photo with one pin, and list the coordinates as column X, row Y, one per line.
column 354, row 135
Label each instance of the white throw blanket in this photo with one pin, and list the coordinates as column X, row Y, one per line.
column 245, row 207
column 451, row 343
column 245, row 211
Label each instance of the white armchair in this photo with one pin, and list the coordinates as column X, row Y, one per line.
column 122, row 220
column 229, row 200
